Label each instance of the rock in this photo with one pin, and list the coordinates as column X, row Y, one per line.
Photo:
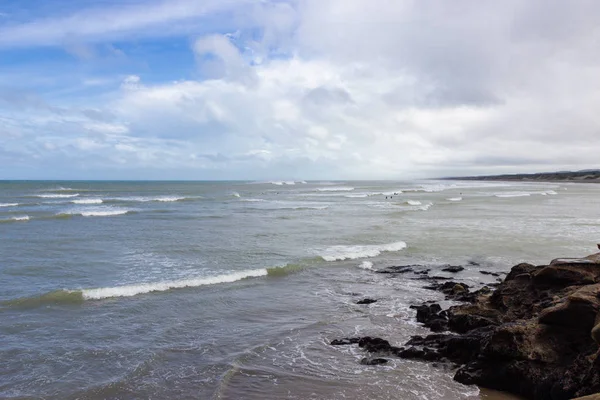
column 345, row 341
column 536, row 335
column 576, row 311
column 398, row 269
column 453, row 268
column 489, row 273
column 595, row 396
column 373, row 361
column 366, row 301
column 458, row 289
column 375, row 345
column 596, row 333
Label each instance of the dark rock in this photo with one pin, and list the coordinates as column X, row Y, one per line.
column 536, row 335
column 343, row 342
column 366, row 301
column 398, row 269
column 373, row 361
column 453, row 268
column 375, row 345
column 489, row 273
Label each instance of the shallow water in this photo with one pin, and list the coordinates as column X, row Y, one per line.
column 233, row 290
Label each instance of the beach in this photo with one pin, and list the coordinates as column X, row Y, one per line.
column 235, row 290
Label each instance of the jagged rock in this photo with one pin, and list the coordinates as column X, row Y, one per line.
column 489, row 273
column 373, row 361
column 344, row 342
column 375, row 345
column 366, row 301
column 453, row 268
column 536, row 335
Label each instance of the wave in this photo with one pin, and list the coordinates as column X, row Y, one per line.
column 145, row 199
column 357, row 195
column 132, row 290
column 413, row 202
column 55, row 297
column 509, row 195
column 77, row 296
column 454, row 199
column 280, row 183
column 99, row 212
column 366, row 265
column 285, row 270
column 336, row 189
column 339, row 253
column 57, row 196
column 87, row 201
column 9, row 204
column 249, row 200
column 15, row 219
column 235, row 194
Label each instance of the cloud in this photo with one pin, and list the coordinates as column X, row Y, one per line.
column 328, row 89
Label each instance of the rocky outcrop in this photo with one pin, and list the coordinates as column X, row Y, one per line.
column 536, row 335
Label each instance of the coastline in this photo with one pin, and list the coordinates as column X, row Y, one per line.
column 534, row 335
column 587, row 176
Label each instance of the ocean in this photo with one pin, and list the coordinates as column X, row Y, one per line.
column 233, row 290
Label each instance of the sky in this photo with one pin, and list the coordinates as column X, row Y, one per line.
column 298, row 89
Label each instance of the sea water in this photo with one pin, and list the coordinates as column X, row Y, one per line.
column 233, row 290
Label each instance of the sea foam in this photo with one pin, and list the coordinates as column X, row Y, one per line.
column 132, row 290
column 9, row 204
column 336, row 189
column 87, row 201
column 339, row 253
column 57, row 196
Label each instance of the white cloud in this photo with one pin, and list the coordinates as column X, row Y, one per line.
column 345, row 89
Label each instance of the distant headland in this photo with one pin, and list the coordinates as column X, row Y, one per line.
column 587, row 175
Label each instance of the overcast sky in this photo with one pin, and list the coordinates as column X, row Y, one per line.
column 302, row 89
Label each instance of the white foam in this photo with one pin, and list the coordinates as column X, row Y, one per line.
column 249, row 200
column 509, row 195
column 425, row 207
column 356, row 195
column 336, row 189
column 551, row 192
column 102, row 213
column 144, row 199
column 338, row 253
column 235, row 194
column 454, row 199
column 413, row 202
column 279, row 183
column 366, row 265
column 8, row 204
column 87, row 201
column 21, row 218
column 132, row 290
column 57, row 196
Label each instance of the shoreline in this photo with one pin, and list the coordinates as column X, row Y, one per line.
column 587, row 176
column 535, row 334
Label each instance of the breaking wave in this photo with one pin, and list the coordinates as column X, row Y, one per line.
column 99, row 212
column 454, row 199
column 336, row 189
column 87, row 201
column 339, row 253
column 366, row 265
column 15, row 219
column 77, row 296
column 57, row 196
column 509, row 195
column 9, row 204
column 413, row 202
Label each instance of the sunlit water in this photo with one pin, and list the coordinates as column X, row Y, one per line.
column 224, row 290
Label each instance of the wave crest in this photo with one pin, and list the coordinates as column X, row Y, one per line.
column 339, row 253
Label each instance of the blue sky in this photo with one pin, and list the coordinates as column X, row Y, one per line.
column 303, row 89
